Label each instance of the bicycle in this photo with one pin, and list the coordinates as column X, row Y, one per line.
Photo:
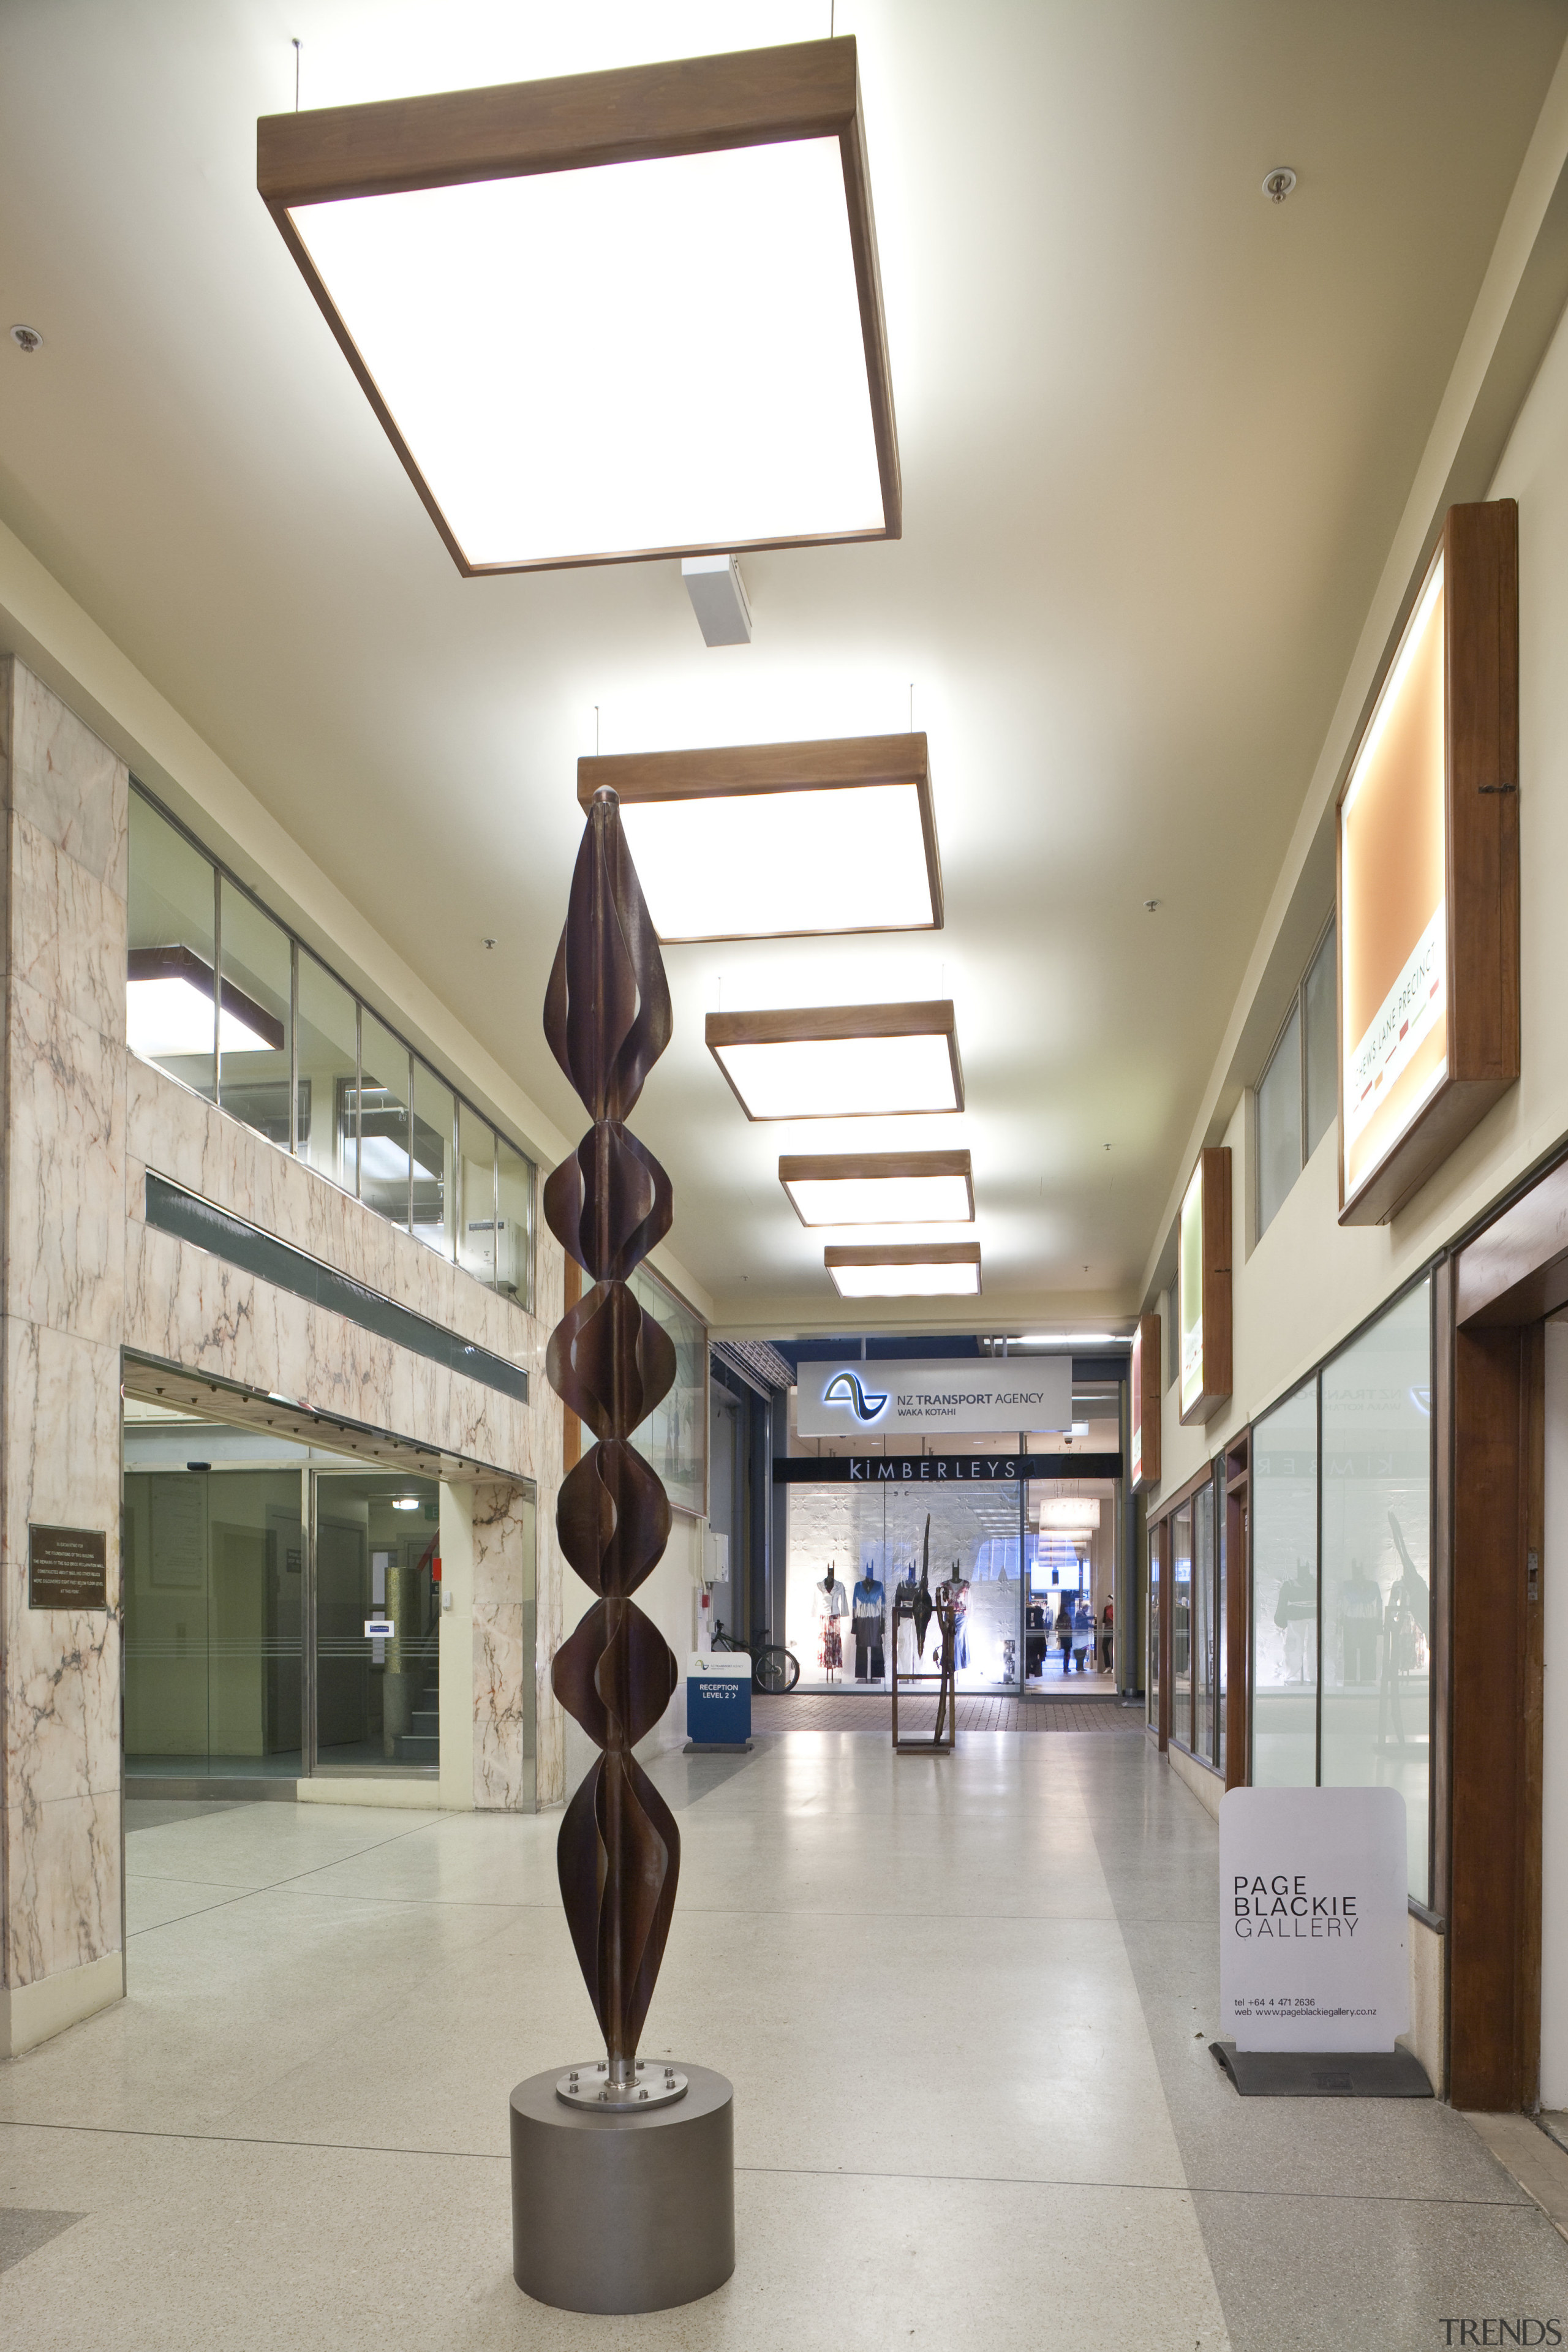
column 774, row 1668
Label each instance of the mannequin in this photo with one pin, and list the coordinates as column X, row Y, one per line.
column 830, row 1605
column 870, row 1616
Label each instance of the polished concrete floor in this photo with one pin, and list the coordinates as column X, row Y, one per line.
column 965, row 2003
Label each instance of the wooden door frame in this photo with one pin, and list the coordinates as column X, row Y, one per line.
column 1492, row 1298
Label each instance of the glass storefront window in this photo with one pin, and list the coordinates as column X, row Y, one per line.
column 862, row 1540
column 435, row 1194
column 383, row 1121
column 514, row 1222
column 1376, row 1580
column 672, row 1437
column 257, row 1006
column 476, row 1222
column 328, row 1073
column 1204, row 1665
column 1181, row 1625
column 1285, row 1594
column 170, row 1016
column 1226, row 1506
column 1158, row 1538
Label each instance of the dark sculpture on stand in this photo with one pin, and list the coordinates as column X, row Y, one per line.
column 607, row 1019
column 623, row 2173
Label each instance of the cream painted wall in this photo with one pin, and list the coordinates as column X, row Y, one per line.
column 1308, row 1281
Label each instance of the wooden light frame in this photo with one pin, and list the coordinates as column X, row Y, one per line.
column 839, row 763
column 751, row 98
column 873, row 1167
column 184, row 963
column 905, row 1254
column 1479, row 556
column 1213, row 1175
column 1145, row 1390
column 830, row 1024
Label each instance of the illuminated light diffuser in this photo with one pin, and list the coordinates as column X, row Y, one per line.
column 917, row 1270
column 841, row 1061
column 779, row 840
column 169, row 1009
column 612, row 315
column 889, row 1188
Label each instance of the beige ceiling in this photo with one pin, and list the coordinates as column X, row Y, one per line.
column 1156, row 433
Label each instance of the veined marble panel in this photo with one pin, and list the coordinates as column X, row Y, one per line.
column 66, row 782
column 213, row 1155
column 62, row 1884
column 62, row 1699
column 190, row 1307
column 62, row 1436
column 500, row 1783
column 64, row 1158
column 68, row 930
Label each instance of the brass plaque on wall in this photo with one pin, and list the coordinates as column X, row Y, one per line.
column 68, row 1567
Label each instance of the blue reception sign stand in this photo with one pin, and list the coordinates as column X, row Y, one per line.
column 719, row 1699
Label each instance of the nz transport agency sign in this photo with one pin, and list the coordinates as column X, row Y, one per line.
column 1313, row 1919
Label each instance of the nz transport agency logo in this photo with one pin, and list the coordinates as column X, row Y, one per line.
column 866, row 1404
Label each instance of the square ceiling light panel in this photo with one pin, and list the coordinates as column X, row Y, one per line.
column 169, row 1009
column 885, row 1188
column 779, row 840
column 841, row 1061
column 918, row 1270
column 615, row 315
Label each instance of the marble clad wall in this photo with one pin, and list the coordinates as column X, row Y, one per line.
column 189, row 1308
column 503, row 1523
column 65, row 802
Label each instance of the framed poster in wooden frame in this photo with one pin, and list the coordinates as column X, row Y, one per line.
column 1427, row 876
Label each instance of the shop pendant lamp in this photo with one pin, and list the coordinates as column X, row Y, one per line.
column 841, row 1061
column 779, row 840
column 607, row 1021
column 615, row 315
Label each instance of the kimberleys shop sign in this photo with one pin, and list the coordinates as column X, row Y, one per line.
column 1313, row 1919
column 891, row 1399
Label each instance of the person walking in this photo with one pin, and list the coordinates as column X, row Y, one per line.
column 1064, row 1632
column 1106, row 1634
column 1083, row 1634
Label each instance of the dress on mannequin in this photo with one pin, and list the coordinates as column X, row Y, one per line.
column 870, row 1613
column 830, row 1604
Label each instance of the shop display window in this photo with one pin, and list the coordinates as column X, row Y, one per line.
column 674, row 1436
column 1342, row 1627
column 1181, row 1625
column 1285, row 1594
column 1376, row 1626
column 850, row 1547
column 1205, row 1663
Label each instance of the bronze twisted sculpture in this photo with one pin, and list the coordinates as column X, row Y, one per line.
column 607, row 1019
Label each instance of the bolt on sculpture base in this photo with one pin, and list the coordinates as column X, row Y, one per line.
column 624, row 2212
column 623, row 2193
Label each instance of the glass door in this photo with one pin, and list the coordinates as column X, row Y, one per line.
column 213, row 1586
column 378, row 1621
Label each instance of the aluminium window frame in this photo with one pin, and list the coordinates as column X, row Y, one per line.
column 1296, row 1007
column 222, row 873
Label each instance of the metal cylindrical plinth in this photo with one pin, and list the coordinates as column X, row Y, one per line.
column 622, row 2212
